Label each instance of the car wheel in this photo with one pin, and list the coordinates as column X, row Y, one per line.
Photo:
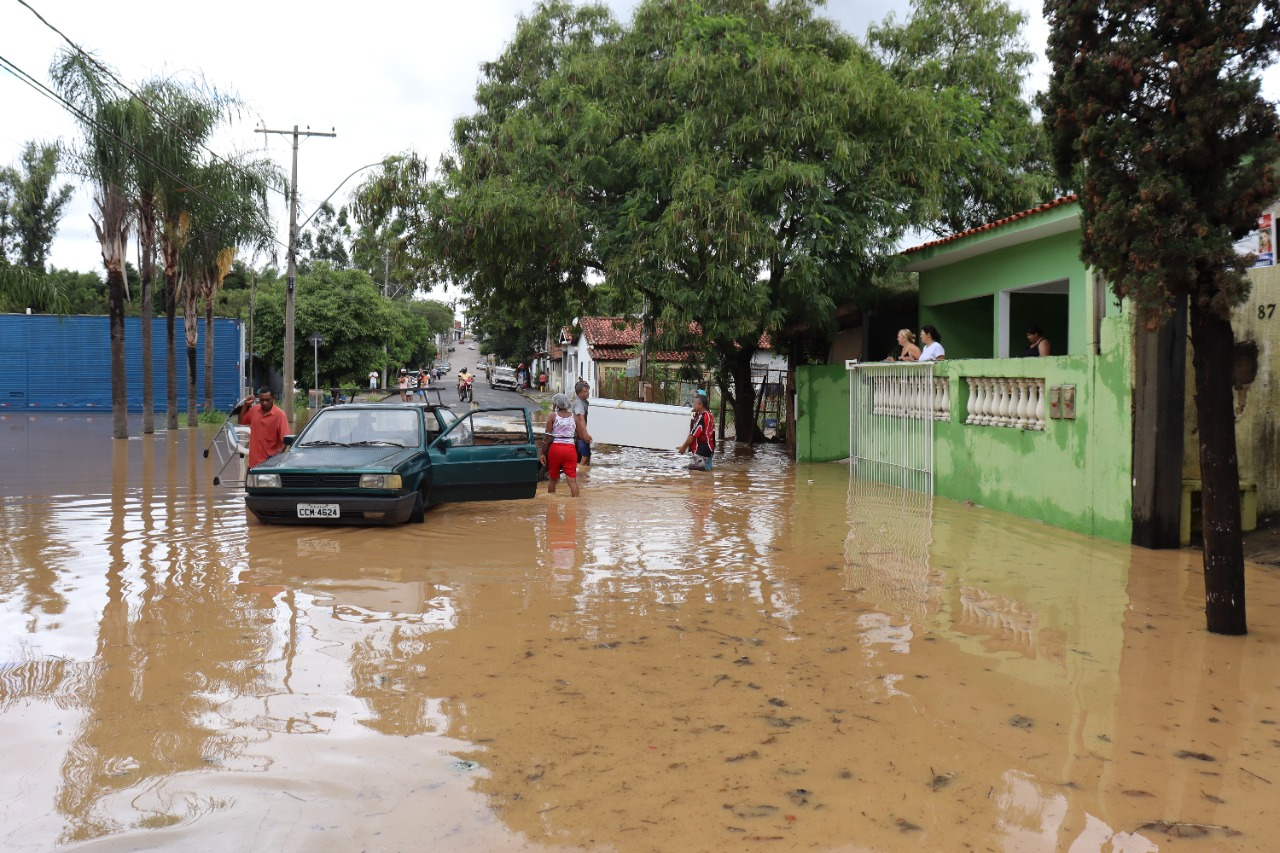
column 418, row 514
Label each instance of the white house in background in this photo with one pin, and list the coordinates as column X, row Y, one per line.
column 606, row 343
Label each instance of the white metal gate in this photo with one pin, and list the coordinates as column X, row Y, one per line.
column 892, row 407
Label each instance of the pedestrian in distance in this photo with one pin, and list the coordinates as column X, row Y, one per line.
column 558, row 452
column 267, row 426
column 424, row 382
column 373, row 380
column 580, row 410
column 403, row 382
column 702, row 435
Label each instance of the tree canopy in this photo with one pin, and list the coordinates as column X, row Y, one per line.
column 733, row 164
column 971, row 57
column 31, row 205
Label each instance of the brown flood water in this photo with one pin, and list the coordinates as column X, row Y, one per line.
column 763, row 658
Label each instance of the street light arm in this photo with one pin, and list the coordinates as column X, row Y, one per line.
column 386, row 162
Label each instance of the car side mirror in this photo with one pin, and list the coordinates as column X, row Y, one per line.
column 289, row 440
column 444, row 444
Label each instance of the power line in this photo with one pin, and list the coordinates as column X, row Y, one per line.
column 156, row 110
column 44, row 90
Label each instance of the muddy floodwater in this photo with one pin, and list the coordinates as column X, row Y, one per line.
column 766, row 657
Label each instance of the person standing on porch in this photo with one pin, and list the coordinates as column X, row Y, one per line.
column 1038, row 344
column 932, row 340
column 907, row 341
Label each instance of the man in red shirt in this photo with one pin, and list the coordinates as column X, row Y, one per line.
column 267, row 426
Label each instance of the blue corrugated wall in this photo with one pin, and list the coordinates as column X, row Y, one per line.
column 65, row 363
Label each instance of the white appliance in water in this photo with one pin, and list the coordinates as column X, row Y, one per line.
column 655, row 426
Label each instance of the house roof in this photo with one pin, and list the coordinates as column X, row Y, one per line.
column 616, row 338
column 1021, row 227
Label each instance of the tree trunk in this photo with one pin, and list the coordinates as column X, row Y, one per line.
column 170, row 322
column 745, row 428
column 1213, row 343
column 147, row 270
column 119, row 389
column 191, row 325
column 208, row 351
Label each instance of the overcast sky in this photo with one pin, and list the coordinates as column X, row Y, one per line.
column 387, row 75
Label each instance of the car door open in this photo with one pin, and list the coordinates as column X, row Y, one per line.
column 486, row 455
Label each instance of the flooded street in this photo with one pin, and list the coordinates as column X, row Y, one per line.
column 760, row 658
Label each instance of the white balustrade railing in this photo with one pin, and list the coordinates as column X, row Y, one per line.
column 1005, row 401
column 910, row 396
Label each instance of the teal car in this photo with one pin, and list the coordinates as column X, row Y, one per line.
column 386, row 463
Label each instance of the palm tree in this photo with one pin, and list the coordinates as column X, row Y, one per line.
column 197, row 111
column 108, row 122
column 37, row 290
column 230, row 213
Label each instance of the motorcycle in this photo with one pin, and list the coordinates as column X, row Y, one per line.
column 465, row 393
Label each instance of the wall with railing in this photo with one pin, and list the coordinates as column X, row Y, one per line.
column 999, row 440
column 1045, row 438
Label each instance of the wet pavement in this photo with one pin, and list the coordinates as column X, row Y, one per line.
column 760, row 658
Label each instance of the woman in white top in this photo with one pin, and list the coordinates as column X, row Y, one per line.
column 932, row 341
column 559, row 450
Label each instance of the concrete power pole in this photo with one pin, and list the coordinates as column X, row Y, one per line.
column 286, row 393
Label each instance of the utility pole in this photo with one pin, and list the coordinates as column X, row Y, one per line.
column 292, row 271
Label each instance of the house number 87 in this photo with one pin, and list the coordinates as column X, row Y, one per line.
column 1266, row 312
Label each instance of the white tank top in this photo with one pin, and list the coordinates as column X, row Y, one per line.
column 563, row 429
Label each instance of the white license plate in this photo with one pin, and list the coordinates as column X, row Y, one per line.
column 318, row 511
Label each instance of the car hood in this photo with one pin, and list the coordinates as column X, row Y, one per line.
column 339, row 459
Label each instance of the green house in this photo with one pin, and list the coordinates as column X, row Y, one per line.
column 1045, row 438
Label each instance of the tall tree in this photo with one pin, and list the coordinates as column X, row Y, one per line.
column 108, row 121
column 31, row 206
column 230, row 213
column 327, row 238
column 736, row 165
column 971, row 57
column 1157, row 115
column 197, row 111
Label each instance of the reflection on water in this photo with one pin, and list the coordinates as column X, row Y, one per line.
column 765, row 655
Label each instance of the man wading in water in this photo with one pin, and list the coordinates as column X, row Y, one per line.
column 702, row 434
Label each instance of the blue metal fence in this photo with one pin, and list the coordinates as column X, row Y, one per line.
column 64, row 364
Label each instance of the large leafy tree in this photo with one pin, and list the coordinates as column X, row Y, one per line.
column 969, row 55
column 347, row 309
column 734, row 165
column 1157, row 116
column 31, row 205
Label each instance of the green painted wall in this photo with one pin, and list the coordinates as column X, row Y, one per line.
column 1038, row 262
column 1073, row 474
column 967, row 327
column 822, row 412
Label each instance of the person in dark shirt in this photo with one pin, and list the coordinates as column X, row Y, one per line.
column 1037, row 343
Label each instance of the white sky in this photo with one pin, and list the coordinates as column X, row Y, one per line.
column 387, row 75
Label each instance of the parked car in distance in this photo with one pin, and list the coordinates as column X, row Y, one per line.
column 503, row 377
column 386, row 463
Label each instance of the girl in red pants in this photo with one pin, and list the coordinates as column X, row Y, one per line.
column 559, row 450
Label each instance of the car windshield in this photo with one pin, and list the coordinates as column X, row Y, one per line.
column 344, row 427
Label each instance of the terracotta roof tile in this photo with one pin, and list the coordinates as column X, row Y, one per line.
column 1048, row 205
column 604, row 334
